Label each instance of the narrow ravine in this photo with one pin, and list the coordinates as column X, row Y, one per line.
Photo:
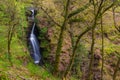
column 34, row 47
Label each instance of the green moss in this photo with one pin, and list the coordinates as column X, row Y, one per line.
column 44, row 42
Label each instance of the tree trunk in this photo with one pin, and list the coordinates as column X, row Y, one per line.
column 102, row 31
column 60, row 40
column 92, row 53
column 74, row 51
column 116, row 69
column 10, row 35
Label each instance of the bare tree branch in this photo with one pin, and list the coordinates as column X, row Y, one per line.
column 115, row 24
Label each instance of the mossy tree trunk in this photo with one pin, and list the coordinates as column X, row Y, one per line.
column 97, row 15
column 92, row 53
column 102, row 50
column 10, row 35
column 60, row 40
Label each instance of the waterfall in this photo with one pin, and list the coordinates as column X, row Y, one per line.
column 33, row 13
column 34, row 44
column 33, row 28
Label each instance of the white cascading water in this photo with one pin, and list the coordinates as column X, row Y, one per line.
column 35, row 53
column 33, row 13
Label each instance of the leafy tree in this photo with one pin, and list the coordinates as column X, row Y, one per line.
column 12, row 21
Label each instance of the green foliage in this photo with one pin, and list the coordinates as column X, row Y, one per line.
column 44, row 42
column 3, row 76
column 43, row 32
column 33, row 68
column 16, row 14
column 110, row 48
column 39, row 71
column 81, row 56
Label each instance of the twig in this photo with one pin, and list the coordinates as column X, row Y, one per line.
column 115, row 24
